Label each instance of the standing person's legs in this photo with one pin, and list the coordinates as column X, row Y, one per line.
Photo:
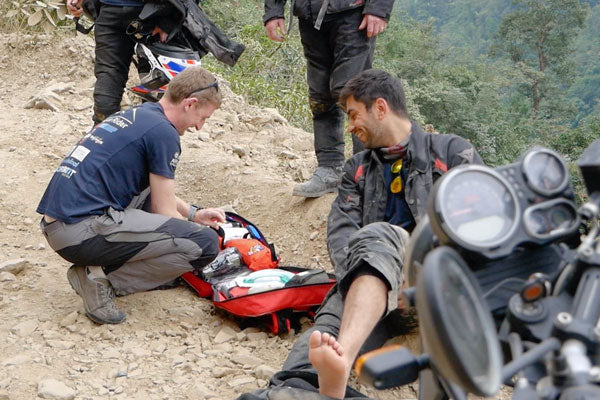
column 334, row 55
column 114, row 50
column 328, row 119
column 352, row 54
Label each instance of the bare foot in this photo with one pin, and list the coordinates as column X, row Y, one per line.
column 326, row 355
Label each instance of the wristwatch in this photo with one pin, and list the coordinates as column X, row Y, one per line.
column 192, row 213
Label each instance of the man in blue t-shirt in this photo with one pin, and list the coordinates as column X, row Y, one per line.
column 111, row 209
column 114, row 51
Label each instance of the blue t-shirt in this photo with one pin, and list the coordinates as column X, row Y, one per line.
column 111, row 164
column 123, row 3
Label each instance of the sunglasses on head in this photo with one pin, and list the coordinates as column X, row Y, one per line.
column 215, row 85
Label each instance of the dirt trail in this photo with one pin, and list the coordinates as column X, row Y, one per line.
column 173, row 345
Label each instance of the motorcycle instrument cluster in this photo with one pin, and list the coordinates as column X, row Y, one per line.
column 491, row 211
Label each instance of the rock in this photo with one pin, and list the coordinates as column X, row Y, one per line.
column 178, row 360
column 275, row 116
column 217, row 133
column 245, row 359
column 219, row 372
column 225, row 334
column 257, row 336
column 45, row 101
column 69, row 319
column 205, row 341
column 28, row 221
column 314, row 235
column 53, row 389
column 110, row 354
column 304, row 174
column 7, row 277
column 204, row 136
column 19, row 359
column 61, row 344
column 199, row 391
column 239, row 150
column 25, row 328
column 288, row 154
column 241, row 380
column 264, row 372
column 82, row 105
column 15, row 266
column 60, row 87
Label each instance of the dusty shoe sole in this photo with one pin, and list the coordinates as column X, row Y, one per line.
column 74, row 278
column 301, row 193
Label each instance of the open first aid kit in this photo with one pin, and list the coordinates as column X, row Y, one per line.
column 246, row 280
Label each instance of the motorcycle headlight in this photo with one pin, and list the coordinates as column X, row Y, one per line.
column 456, row 327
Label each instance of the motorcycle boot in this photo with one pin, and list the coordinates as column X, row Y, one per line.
column 324, row 180
column 97, row 294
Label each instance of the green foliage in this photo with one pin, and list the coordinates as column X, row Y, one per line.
column 538, row 36
column 32, row 15
column 267, row 74
column 586, row 88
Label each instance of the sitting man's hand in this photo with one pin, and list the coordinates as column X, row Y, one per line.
column 210, row 217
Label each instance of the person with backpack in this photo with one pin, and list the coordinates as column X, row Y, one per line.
column 382, row 196
column 111, row 209
column 113, row 51
column 338, row 38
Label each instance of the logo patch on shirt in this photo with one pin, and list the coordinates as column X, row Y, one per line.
column 174, row 160
column 79, row 153
column 119, row 121
column 107, row 127
column 66, row 171
column 95, row 139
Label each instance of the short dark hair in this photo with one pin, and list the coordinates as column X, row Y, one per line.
column 372, row 84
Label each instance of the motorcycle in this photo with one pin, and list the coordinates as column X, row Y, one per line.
column 507, row 267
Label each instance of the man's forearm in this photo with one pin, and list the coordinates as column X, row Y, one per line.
column 183, row 208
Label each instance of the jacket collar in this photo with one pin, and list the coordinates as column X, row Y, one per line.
column 417, row 148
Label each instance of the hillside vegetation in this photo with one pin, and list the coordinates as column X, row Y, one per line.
column 470, row 67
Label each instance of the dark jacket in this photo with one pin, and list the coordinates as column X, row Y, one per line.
column 309, row 9
column 362, row 195
column 187, row 25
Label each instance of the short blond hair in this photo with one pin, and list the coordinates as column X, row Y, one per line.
column 187, row 82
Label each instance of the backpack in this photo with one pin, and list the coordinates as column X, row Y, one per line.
column 246, row 281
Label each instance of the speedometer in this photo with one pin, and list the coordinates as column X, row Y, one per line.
column 474, row 207
column 545, row 172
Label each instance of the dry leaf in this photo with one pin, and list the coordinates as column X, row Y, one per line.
column 61, row 12
column 35, row 18
column 49, row 18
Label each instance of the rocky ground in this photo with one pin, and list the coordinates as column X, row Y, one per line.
column 173, row 344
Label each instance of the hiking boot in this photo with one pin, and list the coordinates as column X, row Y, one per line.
column 97, row 294
column 324, row 180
